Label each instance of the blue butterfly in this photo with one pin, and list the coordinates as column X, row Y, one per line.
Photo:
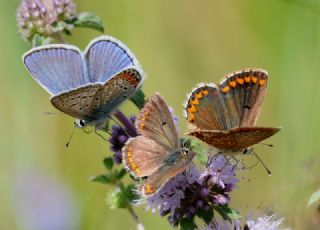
column 87, row 85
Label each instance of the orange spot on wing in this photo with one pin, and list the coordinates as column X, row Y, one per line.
column 192, row 109
column 191, row 117
column 133, row 166
column 137, row 171
column 254, row 79
column 195, row 101
column 205, row 92
column 148, row 189
column 198, row 95
column 142, row 125
column 225, row 89
column 247, row 79
column 262, row 82
column 233, row 83
column 240, row 81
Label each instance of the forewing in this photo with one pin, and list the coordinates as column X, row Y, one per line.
column 243, row 92
column 155, row 122
column 57, row 68
column 142, row 156
column 77, row 103
column 156, row 181
column 205, row 108
column 115, row 91
column 234, row 139
column 106, row 56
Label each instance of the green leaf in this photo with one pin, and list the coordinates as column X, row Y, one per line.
column 187, row 224
column 315, row 197
column 227, row 213
column 108, row 163
column 122, row 197
column 139, row 99
column 88, row 20
column 120, row 174
column 200, row 151
column 39, row 40
column 206, row 216
column 104, row 179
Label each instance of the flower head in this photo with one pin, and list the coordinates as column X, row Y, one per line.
column 194, row 191
column 220, row 172
column 264, row 223
column 44, row 17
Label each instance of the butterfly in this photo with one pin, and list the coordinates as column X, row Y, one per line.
column 224, row 115
column 87, row 85
column 157, row 153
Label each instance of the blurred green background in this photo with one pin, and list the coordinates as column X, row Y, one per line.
column 179, row 44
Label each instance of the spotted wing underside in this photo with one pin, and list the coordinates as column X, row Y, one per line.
column 96, row 102
column 165, row 173
column 235, row 102
column 142, row 156
column 156, row 122
column 234, row 139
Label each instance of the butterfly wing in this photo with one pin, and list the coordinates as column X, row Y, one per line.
column 234, row 103
column 57, row 68
column 106, row 56
column 155, row 122
column 165, row 173
column 77, row 103
column 142, row 156
column 115, row 91
column 205, row 108
column 234, row 139
column 96, row 102
column 243, row 93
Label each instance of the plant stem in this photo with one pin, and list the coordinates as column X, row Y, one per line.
column 127, row 123
column 59, row 38
column 135, row 218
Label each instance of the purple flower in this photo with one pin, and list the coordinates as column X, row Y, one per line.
column 194, row 191
column 120, row 135
column 221, row 173
column 44, row 17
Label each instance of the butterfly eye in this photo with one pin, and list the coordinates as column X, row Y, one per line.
column 185, row 151
column 81, row 122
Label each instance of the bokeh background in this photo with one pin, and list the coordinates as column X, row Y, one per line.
column 179, row 44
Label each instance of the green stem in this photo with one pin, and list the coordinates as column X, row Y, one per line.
column 135, row 218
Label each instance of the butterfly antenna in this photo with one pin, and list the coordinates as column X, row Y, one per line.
column 51, row 113
column 269, row 145
column 256, row 155
column 120, row 126
column 71, row 135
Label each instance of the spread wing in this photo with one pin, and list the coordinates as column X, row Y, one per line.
column 234, row 103
column 57, row 68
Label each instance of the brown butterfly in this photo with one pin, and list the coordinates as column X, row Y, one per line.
column 224, row 115
column 158, row 153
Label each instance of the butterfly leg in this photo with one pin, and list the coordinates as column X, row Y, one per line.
column 96, row 132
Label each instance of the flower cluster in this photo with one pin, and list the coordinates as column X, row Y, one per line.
column 44, row 17
column 195, row 192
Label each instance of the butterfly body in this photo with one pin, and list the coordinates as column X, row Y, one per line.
column 224, row 115
column 157, row 153
column 90, row 85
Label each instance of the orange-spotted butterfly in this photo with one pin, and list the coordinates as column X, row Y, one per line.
column 224, row 115
column 158, row 153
